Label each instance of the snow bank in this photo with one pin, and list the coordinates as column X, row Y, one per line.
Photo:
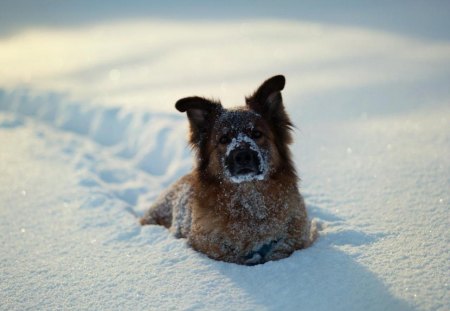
column 87, row 206
column 83, row 249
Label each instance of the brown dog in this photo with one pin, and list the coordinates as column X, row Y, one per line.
column 241, row 202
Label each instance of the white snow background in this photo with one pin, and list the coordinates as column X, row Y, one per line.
column 89, row 137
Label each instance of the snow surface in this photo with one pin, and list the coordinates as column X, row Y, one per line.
column 89, row 138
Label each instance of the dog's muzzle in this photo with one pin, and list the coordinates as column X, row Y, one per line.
column 243, row 161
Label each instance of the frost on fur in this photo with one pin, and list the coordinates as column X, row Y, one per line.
column 241, row 202
column 171, row 209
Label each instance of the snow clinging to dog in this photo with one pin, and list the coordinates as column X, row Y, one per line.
column 241, row 201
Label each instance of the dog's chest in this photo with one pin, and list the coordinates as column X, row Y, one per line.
column 251, row 204
column 241, row 217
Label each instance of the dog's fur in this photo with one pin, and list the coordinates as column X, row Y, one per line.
column 241, row 202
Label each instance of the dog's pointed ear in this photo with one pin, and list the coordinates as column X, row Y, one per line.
column 268, row 102
column 267, row 98
column 201, row 113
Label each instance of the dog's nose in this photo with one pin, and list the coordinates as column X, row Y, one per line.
column 243, row 161
column 244, row 157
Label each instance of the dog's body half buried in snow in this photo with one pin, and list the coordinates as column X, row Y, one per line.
column 241, row 202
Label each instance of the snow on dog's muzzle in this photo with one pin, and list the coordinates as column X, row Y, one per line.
column 244, row 160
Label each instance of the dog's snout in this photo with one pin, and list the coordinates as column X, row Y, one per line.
column 243, row 161
column 244, row 157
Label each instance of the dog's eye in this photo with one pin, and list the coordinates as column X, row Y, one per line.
column 224, row 139
column 256, row 134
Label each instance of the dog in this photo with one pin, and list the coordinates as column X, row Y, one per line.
column 241, row 202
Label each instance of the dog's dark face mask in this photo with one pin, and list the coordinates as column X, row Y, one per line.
column 242, row 157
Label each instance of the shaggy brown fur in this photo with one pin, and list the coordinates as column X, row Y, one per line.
column 241, row 202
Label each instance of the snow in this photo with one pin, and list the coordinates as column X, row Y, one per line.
column 89, row 139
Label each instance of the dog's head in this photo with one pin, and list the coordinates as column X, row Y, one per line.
column 243, row 144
